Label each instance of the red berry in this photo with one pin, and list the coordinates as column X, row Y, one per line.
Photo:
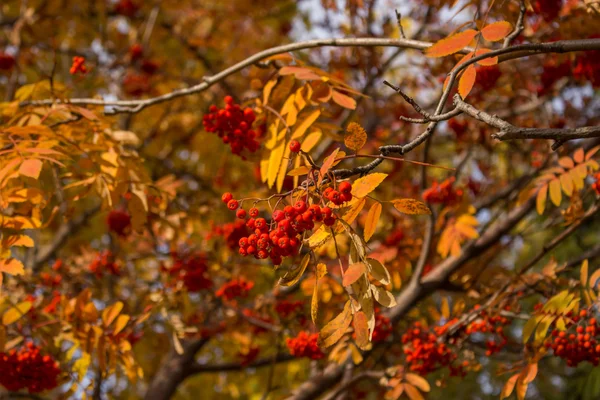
column 232, row 204
column 226, row 197
column 241, row 213
column 253, row 212
column 295, row 146
column 345, row 187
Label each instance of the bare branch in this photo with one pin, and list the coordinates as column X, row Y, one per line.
column 519, row 26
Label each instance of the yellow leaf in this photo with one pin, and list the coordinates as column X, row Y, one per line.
column 311, row 140
column 122, row 321
column 356, row 137
column 567, row 184
column 445, row 308
column 283, row 168
column 303, row 170
column 314, row 303
column 274, row 162
column 111, row 312
column 411, row 206
column 583, row 274
column 16, row 240
column 305, row 124
column 383, row 297
column 541, row 199
column 15, row 313
column 452, row 44
column 365, row 185
column 378, row 271
column 372, row 220
column 555, row 192
column 267, row 90
column 31, row 168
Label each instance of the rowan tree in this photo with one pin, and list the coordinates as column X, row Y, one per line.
column 307, row 199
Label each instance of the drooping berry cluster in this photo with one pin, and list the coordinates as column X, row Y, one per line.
column 548, row 9
column 305, row 345
column 487, row 76
column 587, row 65
column 235, row 288
column 339, row 197
column 234, row 125
column 50, row 279
column 78, row 66
column 192, row 270
column 458, row 126
column 394, row 238
column 552, row 72
column 282, row 236
column 578, row 343
column 104, row 263
column 119, row 222
column 28, row 369
column 443, row 193
column 423, row 352
column 288, row 308
column 490, row 324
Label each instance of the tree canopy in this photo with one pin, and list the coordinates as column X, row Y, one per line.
column 311, row 199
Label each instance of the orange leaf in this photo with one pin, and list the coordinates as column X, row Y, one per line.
column 452, row 44
column 566, row 162
column 412, row 392
column 353, row 272
column 496, row 31
column 343, row 100
column 31, row 168
column 509, row 386
column 111, row 312
column 12, row 266
column 467, row 80
column 418, row 381
column 578, row 155
column 486, row 61
column 361, row 329
column 372, row 219
column 327, row 164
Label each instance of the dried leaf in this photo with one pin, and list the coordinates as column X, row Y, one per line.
column 496, row 31
column 452, row 44
column 336, row 328
column 293, row 276
column 361, row 330
column 383, row 297
column 379, row 272
column 356, row 137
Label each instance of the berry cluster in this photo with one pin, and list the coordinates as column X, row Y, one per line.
column 126, row 8
column 490, row 324
column 104, row 262
column 28, row 369
column 234, row 125
column 287, row 308
column 443, row 193
column 458, row 126
column 235, row 288
column 50, row 308
column 50, row 280
column 383, row 328
column 339, row 197
column 281, row 237
column 552, row 72
column 119, row 222
column 548, row 9
column 6, row 61
column 587, row 65
column 192, row 270
column 487, row 76
column 305, row 345
column 394, row 238
column 423, row 352
column 78, row 66
column 580, row 345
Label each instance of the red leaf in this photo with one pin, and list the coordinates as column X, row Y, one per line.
column 496, row 31
column 467, row 80
column 452, row 44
